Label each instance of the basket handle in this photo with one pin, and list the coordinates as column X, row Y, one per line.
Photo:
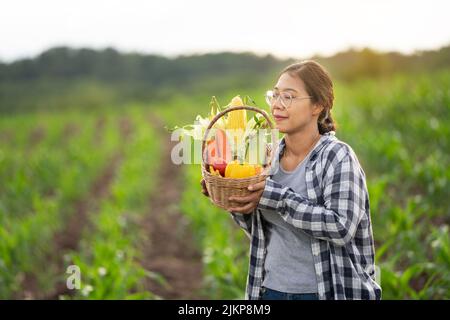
column 222, row 113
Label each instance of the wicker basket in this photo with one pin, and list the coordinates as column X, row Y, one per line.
column 220, row 188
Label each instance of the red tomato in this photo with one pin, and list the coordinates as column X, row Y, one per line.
column 220, row 165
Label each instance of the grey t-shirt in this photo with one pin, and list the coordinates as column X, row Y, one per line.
column 289, row 265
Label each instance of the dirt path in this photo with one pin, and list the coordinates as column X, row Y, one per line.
column 36, row 135
column 70, row 130
column 6, row 136
column 170, row 251
column 69, row 237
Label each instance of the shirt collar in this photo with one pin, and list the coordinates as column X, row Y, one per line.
column 323, row 141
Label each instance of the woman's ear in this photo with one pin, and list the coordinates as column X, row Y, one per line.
column 317, row 109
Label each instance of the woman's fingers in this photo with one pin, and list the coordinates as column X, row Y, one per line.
column 257, row 190
column 248, row 208
column 257, row 186
column 245, row 199
column 254, row 196
column 204, row 190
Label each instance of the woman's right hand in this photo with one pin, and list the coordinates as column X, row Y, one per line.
column 204, row 190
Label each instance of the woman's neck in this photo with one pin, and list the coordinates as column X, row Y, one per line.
column 299, row 144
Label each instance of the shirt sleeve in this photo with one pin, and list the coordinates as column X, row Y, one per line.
column 337, row 219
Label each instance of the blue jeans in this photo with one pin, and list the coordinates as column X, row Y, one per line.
column 269, row 294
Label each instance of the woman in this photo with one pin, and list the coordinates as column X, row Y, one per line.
column 309, row 221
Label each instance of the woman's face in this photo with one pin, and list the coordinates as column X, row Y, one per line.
column 301, row 114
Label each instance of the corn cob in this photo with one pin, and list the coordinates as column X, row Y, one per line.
column 237, row 119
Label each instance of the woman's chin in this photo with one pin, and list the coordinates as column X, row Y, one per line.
column 281, row 128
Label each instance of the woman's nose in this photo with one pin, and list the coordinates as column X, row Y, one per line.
column 276, row 104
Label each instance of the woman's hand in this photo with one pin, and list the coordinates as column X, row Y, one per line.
column 204, row 190
column 250, row 202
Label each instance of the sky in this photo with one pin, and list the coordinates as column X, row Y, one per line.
column 284, row 28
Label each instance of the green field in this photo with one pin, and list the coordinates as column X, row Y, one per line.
column 75, row 188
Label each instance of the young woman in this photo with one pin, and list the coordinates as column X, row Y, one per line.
column 309, row 221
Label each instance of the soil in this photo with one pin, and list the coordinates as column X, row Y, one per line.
column 171, row 250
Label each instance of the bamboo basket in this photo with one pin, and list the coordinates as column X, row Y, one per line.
column 221, row 188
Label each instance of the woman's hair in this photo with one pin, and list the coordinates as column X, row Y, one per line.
column 319, row 86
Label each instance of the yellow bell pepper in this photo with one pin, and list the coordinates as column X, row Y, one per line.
column 235, row 170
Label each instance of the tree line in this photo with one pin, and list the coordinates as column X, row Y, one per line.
column 63, row 76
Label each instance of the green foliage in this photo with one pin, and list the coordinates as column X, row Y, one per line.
column 40, row 185
column 109, row 256
column 64, row 78
column 396, row 123
column 224, row 249
column 399, row 130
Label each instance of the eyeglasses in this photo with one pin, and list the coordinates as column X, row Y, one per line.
column 285, row 98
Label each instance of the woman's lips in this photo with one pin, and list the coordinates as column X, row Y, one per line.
column 279, row 118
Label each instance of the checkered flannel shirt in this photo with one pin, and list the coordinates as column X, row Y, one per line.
column 335, row 214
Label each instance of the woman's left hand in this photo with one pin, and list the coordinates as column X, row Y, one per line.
column 251, row 201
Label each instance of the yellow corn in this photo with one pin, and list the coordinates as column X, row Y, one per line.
column 237, row 119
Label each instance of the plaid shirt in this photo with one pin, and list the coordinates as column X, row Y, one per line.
column 336, row 215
